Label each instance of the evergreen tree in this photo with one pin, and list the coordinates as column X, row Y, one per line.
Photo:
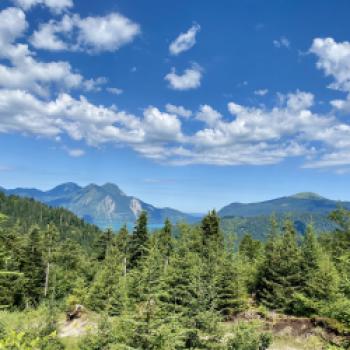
column 50, row 244
column 139, row 239
column 123, row 246
column 321, row 280
column 281, row 275
column 33, row 267
column 210, row 227
column 250, row 248
column 231, row 290
column 102, row 293
column 103, row 243
column 165, row 241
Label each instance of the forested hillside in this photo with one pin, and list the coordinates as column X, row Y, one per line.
column 155, row 291
column 105, row 206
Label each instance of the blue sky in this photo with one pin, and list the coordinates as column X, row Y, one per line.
column 188, row 104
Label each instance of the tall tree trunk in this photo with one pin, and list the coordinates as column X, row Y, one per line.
column 124, row 266
column 47, row 273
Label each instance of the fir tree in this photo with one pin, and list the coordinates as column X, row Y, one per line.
column 33, row 267
column 281, row 276
column 165, row 241
column 139, row 239
column 123, row 243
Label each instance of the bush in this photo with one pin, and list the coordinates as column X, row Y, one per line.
column 25, row 341
column 249, row 336
column 339, row 310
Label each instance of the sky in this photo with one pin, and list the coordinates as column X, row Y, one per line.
column 188, row 104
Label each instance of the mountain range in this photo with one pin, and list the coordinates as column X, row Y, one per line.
column 104, row 206
column 108, row 205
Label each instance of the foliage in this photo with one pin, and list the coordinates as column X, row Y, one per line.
column 248, row 336
column 165, row 290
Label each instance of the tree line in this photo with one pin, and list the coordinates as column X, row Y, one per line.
column 161, row 291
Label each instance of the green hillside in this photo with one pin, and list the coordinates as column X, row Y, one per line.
column 66, row 285
column 105, row 206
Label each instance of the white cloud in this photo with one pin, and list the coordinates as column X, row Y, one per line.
column 333, row 159
column 208, row 115
column 107, row 33
column 178, row 110
column 334, row 60
column 35, row 100
column 161, row 126
column 190, row 79
column 184, row 41
column 91, row 34
column 22, row 112
column 114, row 90
column 23, row 71
column 251, row 136
column 281, row 42
column 56, row 6
column 49, row 35
column 12, row 25
column 261, row 92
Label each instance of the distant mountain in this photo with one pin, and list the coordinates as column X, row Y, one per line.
column 104, row 206
column 301, row 208
column 305, row 202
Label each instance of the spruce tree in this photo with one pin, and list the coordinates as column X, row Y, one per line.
column 165, row 241
column 321, row 280
column 250, row 248
column 281, row 275
column 231, row 290
column 210, row 227
column 33, row 267
column 123, row 242
column 139, row 239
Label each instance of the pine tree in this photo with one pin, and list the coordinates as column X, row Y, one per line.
column 321, row 280
column 182, row 283
column 281, row 276
column 33, row 267
column 210, row 227
column 103, row 243
column 102, row 293
column 165, row 242
column 139, row 239
column 231, row 290
column 250, row 248
column 50, row 244
column 123, row 242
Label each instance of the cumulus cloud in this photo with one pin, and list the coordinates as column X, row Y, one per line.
column 178, row 110
column 249, row 136
column 190, row 79
column 334, row 60
column 81, row 120
column 35, row 99
column 208, row 115
column 24, row 71
column 56, row 6
column 91, row 34
column 184, row 41
column 281, row 42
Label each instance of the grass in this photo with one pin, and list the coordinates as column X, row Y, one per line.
column 298, row 343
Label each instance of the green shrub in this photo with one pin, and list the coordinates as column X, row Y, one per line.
column 249, row 336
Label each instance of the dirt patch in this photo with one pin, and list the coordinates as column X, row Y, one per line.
column 301, row 328
column 77, row 327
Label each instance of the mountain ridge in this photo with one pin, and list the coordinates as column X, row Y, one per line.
column 108, row 206
column 105, row 205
